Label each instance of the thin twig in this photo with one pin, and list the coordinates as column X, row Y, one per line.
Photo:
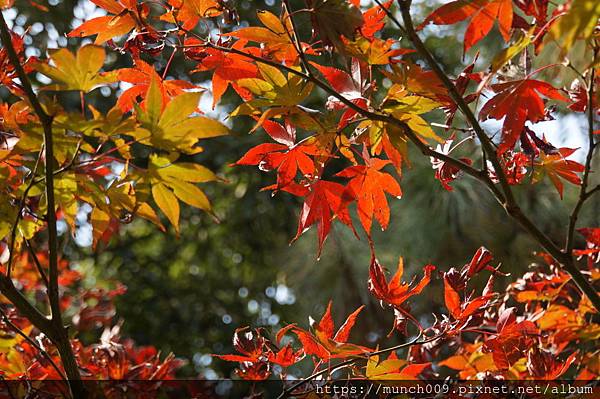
column 583, row 193
column 37, row 263
column 353, row 360
column 15, row 227
column 392, row 17
column 295, row 39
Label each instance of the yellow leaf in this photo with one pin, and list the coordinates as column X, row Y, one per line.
column 272, row 75
column 275, row 89
column 167, row 202
column 456, row 362
column 189, row 194
column 145, row 211
column 100, row 222
column 79, row 71
column 153, row 103
column 178, row 109
column 579, row 23
column 415, row 105
column 510, row 52
column 272, row 22
column 190, row 172
column 419, row 126
column 389, row 369
column 258, row 87
column 174, row 128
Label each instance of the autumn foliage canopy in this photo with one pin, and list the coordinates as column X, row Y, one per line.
column 384, row 99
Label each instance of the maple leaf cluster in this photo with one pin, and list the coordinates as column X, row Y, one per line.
column 112, row 358
column 537, row 331
column 339, row 109
column 274, row 71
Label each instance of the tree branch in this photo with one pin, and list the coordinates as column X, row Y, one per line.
column 458, row 99
column 37, row 263
column 583, row 192
column 36, row 318
column 53, row 328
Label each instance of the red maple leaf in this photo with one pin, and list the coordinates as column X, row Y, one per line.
column 374, row 19
column 8, row 73
column 518, row 101
column 462, row 310
column 481, row 260
column 324, row 343
column 286, row 356
column 395, row 292
column 249, row 343
column 367, row 186
column 558, row 167
column 445, row 172
column 285, row 156
column 482, row 15
column 140, row 77
column 592, row 250
column 512, row 340
column 226, row 67
column 544, row 365
column 127, row 14
column 352, row 87
column 322, row 204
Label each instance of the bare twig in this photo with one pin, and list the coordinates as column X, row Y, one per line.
column 392, row 17
column 15, row 227
column 583, row 191
column 37, row 263
column 294, row 38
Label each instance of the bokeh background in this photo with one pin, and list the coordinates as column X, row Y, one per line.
column 188, row 294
